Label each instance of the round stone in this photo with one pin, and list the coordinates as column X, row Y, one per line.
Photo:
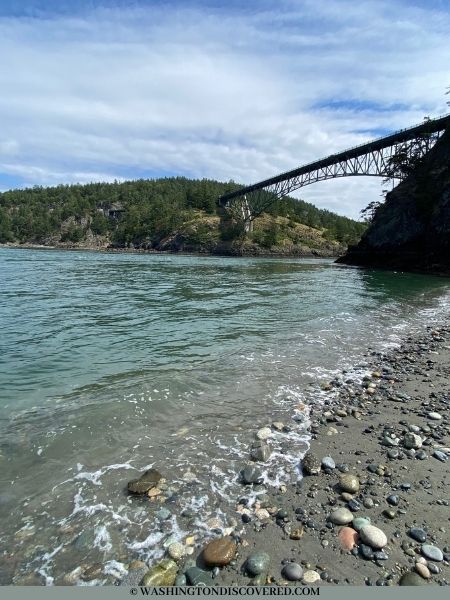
column 411, row 578
column 310, row 577
column 417, row 534
column 348, row 538
column 349, row 483
column 423, row 570
column 359, row 522
column 257, row 562
column 434, row 416
column 341, row 516
column 176, row 551
column 219, row 553
column 264, row 433
column 328, row 463
column 292, row 572
column 432, row 553
column 373, row 536
column 393, row 500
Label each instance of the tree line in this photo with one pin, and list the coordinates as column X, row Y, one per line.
column 139, row 212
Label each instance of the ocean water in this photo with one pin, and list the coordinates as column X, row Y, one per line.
column 112, row 363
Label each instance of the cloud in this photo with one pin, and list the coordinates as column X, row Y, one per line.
column 205, row 91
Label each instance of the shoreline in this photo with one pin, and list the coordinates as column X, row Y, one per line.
column 107, row 250
column 360, row 430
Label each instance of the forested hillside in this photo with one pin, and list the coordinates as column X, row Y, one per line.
column 172, row 214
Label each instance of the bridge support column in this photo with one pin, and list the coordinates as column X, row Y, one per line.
column 246, row 215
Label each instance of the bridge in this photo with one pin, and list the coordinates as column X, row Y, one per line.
column 381, row 157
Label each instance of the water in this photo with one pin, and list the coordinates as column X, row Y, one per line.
column 112, row 363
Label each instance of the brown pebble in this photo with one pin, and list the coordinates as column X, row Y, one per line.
column 219, row 552
column 348, row 538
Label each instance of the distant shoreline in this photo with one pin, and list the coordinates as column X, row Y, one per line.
column 28, row 246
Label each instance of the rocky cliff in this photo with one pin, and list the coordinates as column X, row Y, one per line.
column 411, row 231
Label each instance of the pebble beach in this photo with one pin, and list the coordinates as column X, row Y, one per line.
column 372, row 505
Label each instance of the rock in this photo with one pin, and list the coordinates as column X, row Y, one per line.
column 440, row 455
column 163, row 514
column 432, row 552
column 366, row 552
column 181, row 580
column 264, row 433
column 341, row 516
column 146, row 481
column 258, row 562
column 154, row 492
column 214, row 523
column 278, row 426
column 162, row 574
column 349, row 483
column 328, row 463
column 368, row 503
column 176, row 551
column 348, row 538
column 393, row 500
column 262, row 514
column 311, row 465
column 411, row 578
column 297, row 534
column 250, row 475
column 310, row 577
column 412, row 440
column 198, row 577
column 373, row 536
column 422, row 570
column 417, row 534
column 220, row 552
column 292, row 572
column 359, row 522
column 434, row 416
column 260, row 452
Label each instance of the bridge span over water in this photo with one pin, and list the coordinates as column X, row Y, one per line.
column 376, row 158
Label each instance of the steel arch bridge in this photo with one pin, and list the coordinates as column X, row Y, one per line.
column 375, row 158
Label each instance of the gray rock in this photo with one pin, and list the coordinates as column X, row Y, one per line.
column 311, row 465
column 349, row 483
column 374, row 537
column 411, row 578
column 163, row 513
column 359, row 522
column 432, row 553
column 434, row 416
column 341, row 516
column 292, row 572
column 412, row 441
column 260, row 451
column 440, row 455
column 417, row 534
column 257, row 563
column 251, row 475
column 328, row 463
column 198, row 577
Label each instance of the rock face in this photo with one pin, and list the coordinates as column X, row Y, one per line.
column 412, row 230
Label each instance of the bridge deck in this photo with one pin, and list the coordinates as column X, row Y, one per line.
column 404, row 135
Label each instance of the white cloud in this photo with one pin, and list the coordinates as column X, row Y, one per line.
column 215, row 94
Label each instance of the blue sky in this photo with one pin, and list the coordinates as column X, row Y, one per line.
column 228, row 90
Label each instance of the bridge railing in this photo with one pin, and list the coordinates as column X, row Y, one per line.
column 431, row 125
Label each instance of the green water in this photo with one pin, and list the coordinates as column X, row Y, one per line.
column 110, row 363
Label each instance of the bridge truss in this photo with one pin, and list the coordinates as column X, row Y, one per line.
column 385, row 157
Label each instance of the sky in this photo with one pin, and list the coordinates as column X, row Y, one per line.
column 95, row 90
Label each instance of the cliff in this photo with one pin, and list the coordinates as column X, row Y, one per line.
column 411, row 231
